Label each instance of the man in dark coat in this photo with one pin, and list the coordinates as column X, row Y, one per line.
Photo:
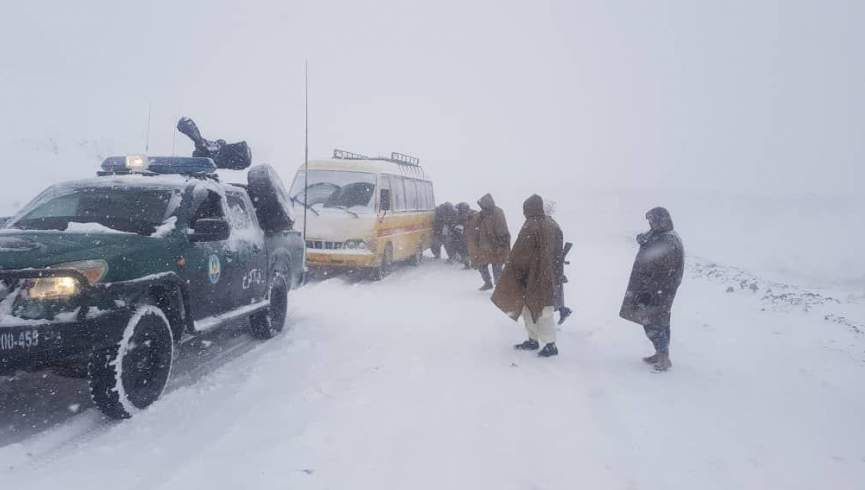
column 532, row 277
column 443, row 221
column 655, row 278
column 493, row 240
column 464, row 214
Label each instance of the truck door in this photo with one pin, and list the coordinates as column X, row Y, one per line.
column 245, row 251
column 206, row 267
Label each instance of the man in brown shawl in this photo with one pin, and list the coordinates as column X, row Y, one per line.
column 532, row 275
column 493, row 241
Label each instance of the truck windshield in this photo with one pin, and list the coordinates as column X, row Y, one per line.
column 335, row 189
column 121, row 209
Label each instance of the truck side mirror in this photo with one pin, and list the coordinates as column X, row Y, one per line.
column 384, row 200
column 210, row 230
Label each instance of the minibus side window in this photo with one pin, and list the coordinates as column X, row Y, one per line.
column 430, row 199
column 398, row 193
column 421, row 195
column 411, row 195
column 427, row 195
column 384, row 183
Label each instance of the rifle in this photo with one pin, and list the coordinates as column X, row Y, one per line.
column 565, row 251
column 564, row 311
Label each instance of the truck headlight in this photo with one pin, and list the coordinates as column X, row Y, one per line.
column 52, row 288
column 64, row 287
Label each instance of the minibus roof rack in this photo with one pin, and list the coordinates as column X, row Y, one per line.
column 405, row 159
column 398, row 158
column 347, row 155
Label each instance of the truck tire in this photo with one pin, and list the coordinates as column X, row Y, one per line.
column 269, row 198
column 132, row 374
column 270, row 322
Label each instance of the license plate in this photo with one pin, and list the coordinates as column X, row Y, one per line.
column 19, row 340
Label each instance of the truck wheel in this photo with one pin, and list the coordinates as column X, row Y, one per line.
column 132, row 374
column 270, row 322
column 386, row 266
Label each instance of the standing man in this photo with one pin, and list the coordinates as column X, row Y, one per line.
column 655, row 278
column 461, row 231
column 494, row 241
column 473, row 235
column 442, row 221
column 532, row 275
column 564, row 311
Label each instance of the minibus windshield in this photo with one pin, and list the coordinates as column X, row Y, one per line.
column 335, row 189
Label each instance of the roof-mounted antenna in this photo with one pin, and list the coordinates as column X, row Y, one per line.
column 147, row 131
column 305, row 149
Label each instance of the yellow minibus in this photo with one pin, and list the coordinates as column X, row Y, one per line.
column 364, row 213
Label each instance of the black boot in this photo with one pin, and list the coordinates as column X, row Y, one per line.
column 528, row 345
column 549, row 350
column 485, row 275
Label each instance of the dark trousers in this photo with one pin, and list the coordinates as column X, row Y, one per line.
column 660, row 337
column 436, row 247
column 485, row 273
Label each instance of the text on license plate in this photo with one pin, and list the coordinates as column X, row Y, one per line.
column 25, row 340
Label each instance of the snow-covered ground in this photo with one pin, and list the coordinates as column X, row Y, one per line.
column 412, row 383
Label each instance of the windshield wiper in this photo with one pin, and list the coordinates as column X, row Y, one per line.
column 294, row 199
column 345, row 208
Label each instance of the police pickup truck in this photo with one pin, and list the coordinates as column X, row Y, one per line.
column 103, row 277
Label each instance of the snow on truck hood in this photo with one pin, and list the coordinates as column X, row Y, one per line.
column 21, row 249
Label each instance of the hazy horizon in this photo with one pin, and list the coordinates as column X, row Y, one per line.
column 744, row 97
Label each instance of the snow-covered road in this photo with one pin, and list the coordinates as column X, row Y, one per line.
column 412, row 383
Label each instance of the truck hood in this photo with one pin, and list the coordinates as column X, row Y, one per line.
column 28, row 249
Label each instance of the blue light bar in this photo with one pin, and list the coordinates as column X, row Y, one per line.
column 158, row 165
column 182, row 165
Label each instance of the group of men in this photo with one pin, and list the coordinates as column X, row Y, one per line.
column 528, row 279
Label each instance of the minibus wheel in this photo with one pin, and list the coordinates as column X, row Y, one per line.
column 417, row 258
column 386, row 266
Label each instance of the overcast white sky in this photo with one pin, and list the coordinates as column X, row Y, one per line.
column 745, row 96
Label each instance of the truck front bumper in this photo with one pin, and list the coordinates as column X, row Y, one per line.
column 29, row 345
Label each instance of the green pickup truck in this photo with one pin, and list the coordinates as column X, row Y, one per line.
column 103, row 277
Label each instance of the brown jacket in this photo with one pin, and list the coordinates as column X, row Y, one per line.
column 472, row 236
column 532, row 272
column 494, row 238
